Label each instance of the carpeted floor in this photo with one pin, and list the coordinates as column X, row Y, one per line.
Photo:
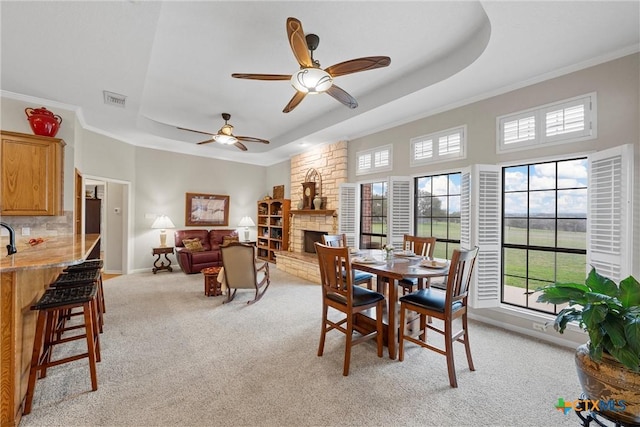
column 171, row 356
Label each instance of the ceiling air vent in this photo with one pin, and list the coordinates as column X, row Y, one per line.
column 111, row 98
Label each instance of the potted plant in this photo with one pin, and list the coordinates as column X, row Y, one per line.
column 609, row 364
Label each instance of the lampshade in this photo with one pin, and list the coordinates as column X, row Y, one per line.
column 311, row 80
column 246, row 221
column 163, row 222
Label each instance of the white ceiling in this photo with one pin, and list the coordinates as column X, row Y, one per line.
column 173, row 60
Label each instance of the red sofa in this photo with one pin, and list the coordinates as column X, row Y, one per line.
column 193, row 261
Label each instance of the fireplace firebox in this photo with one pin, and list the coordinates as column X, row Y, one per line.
column 310, row 237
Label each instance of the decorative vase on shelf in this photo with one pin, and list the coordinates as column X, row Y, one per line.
column 317, row 203
column 43, row 122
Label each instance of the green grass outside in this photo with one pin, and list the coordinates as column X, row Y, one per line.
column 543, row 267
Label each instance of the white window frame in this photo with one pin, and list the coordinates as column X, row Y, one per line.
column 589, row 131
column 369, row 156
column 436, row 157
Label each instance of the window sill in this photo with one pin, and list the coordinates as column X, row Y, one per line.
column 534, row 324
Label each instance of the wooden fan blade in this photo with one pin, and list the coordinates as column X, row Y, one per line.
column 240, row 145
column 357, row 65
column 298, row 43
column 252, row 139
column 206, row 141
column 297, row 98
column 197, row 131
column 262, row 76
column 342, row 96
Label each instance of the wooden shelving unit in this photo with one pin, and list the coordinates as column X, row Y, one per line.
column 273, row 227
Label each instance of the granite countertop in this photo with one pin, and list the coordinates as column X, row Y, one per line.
column 58, row 251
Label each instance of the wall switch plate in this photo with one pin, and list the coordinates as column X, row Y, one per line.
column 26, row 231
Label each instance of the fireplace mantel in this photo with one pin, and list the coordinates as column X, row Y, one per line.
column 325, row 212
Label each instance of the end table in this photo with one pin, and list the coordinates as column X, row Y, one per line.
column 166, row 250
column 211, row 286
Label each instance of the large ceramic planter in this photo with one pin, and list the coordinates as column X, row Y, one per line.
column 609, row 380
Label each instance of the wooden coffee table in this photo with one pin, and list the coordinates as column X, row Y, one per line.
column 211, row 286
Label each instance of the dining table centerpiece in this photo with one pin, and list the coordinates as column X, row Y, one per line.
column 388, row 251
column 609, row 364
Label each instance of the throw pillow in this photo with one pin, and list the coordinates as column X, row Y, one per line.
column 193, row 245
column 228, row 239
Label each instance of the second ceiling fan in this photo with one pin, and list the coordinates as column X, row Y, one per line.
column 225, row 135
column 311, row 78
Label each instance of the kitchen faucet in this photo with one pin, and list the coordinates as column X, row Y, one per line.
column 11, row 247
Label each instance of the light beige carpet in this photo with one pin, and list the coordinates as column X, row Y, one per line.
column 171, row 356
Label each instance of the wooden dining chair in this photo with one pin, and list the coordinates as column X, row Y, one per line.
column 243, row 271
column 421, row 246
column 339, row 293
column 447, row 306
column 340, row 240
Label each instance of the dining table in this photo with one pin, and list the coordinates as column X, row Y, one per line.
column 391, row 269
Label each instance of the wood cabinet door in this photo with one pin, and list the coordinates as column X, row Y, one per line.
column 31, row 175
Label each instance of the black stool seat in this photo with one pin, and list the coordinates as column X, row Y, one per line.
column 84, row 277
column 77, row 277
column 90, row 264
column 60, row 297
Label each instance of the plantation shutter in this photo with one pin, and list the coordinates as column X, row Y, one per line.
column 348, row 213
column 399, row 214
column 480, row 225
column 610, row 212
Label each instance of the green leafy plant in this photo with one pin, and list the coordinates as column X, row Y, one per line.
column 608, row 312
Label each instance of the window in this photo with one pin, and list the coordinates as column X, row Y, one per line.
column 565, row 121
column 375, row 160
column 437, row 211
column 373, row 215
column 544, row 233
column 439, row 146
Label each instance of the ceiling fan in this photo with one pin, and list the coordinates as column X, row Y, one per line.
column 311, row 78
column 225, row 135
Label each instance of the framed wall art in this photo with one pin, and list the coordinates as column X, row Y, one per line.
column 207, row 209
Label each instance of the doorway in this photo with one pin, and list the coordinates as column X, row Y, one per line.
column 110, row 217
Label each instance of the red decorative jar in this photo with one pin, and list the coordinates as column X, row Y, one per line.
column 43, row 122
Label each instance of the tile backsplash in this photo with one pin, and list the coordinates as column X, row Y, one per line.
column 40, row 226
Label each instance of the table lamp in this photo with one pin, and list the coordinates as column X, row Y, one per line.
column 163, row 222
column 246, row 222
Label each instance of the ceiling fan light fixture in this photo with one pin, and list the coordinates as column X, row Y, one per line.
column 225, row 139
column 311, row 80
column 227, row 129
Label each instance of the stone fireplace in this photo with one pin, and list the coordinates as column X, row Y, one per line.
column 331, row 162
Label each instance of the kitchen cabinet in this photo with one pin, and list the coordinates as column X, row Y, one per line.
column 32, row 174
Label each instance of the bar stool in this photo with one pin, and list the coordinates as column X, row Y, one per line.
column 83, row 277
column 90, row 264
column 53, row 304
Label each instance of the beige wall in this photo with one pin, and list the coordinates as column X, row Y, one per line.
column 163, row 179
column 158, row 182
column 617, row 85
